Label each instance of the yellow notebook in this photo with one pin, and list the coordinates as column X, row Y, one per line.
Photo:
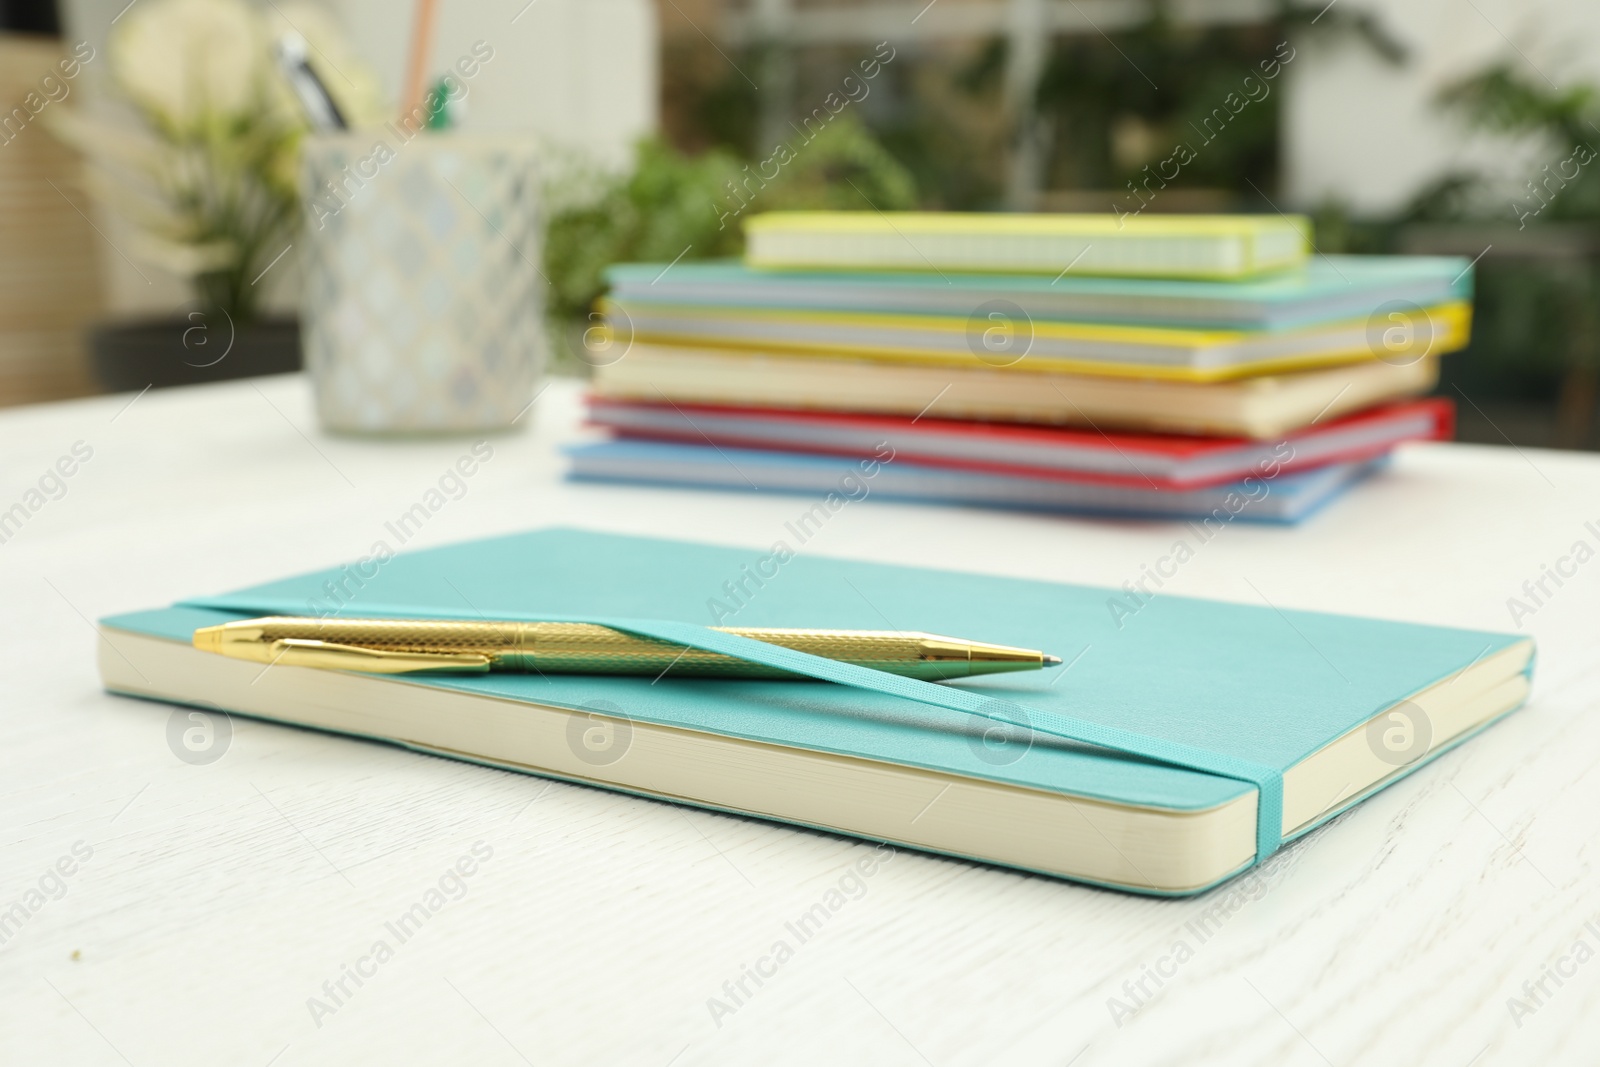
column 1004, row 341
column 1148, row 246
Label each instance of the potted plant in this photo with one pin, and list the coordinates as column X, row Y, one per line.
column 202, row 166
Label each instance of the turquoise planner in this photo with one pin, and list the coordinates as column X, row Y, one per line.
column 1182, row 741
column 1325, row 289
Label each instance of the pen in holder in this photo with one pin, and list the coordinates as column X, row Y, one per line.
column 423, row 304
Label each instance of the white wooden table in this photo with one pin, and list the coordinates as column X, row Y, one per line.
column 208, row 904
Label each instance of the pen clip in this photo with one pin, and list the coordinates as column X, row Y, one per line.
column 327, row 655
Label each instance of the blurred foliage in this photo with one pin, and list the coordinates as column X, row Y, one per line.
column 1107, row 121
column 674, row 205
column 1523, row 311
column 1533, row 314
column 1522, row 328
column 706, row 102
column 1502, row 100
column 1115, row 104
column 938, row 120
column 929, row 112
column 199, row 154
column 1103, row 117
column 1536, row 317
column 665, row 204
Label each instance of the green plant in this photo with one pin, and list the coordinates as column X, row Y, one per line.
column 205, row 171
column 1538, row 309
column 671, row 206
column 1501, row 99
column 928, row 112
column 1115, row 104
column 661, row 207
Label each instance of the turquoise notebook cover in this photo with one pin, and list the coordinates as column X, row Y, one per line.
column 1248, row 691
column 1325, row 289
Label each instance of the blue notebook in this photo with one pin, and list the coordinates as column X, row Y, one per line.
column 1326, row 289
column 1182, row 741
column 1287, row 498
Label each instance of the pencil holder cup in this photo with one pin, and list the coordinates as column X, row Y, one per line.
column 422, row 309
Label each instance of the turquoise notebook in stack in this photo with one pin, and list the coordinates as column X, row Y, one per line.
column 1182, row 743
column 1325, row 289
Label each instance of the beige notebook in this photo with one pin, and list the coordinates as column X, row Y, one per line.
column 1252, row 407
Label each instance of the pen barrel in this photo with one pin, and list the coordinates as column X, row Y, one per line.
column 561, row 648
column 585, row 648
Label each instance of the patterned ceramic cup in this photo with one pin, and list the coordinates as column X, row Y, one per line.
column 422, row 310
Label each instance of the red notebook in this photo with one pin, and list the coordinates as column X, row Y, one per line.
column 1137, row 459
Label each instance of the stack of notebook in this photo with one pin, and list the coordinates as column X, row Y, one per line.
column 1177, row 366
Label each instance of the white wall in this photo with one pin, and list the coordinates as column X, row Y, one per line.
column 1370, row 135
column 581, row 73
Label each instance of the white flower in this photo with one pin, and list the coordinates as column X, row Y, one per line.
column 188, row 61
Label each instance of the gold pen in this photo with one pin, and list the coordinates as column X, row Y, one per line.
column 402, row 646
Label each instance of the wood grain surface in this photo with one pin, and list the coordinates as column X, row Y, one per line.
column 212, row 910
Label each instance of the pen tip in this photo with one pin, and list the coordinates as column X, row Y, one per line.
column 1051, row 661
column 208, row 639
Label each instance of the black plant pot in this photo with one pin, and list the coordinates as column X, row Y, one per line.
column 204, row 347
